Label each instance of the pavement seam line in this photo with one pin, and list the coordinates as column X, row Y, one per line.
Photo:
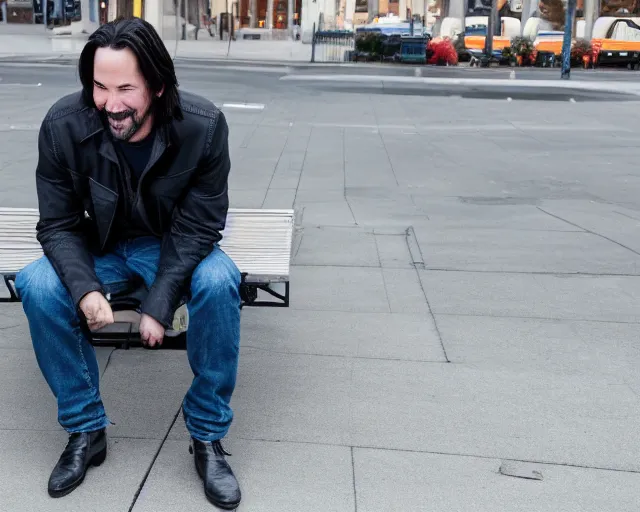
column 153, row 461
column 384, row 281
column 384, row 145
column 476, row 271
column 386, row 151
column 625, row 215
column 344, row 175
column 343, row 356
column 304, row 160
column 353, row 474
column 248, row 136
column 275, row 168
column 298, row 242
column 589, row 231
column 415, row 252
column 547, row 318
column 426, row 298
column 450, row 454
column 530, row 273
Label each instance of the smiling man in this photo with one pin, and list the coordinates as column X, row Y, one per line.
column 132, row 188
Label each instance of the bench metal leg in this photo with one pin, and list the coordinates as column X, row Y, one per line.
column 284, row 298
column 249, row 294
column 10, row 282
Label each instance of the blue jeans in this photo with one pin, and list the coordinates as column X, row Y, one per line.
column 68, row 361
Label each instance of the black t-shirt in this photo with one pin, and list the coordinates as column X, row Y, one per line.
column 137, row 155
column 128, row 224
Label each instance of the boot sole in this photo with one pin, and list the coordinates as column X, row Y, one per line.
column 96, row 461
column 223, row 506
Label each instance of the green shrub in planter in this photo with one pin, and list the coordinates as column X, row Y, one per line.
column 369, row 43
column 579, row 49
column 522, row 47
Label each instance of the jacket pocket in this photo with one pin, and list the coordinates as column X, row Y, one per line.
column 165, row 192
column 80, row 183
column 171, row 185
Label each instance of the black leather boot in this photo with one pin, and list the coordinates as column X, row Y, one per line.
column 220, row 485
column 83, row 450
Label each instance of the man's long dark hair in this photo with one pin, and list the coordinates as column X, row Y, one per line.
column 154, row 62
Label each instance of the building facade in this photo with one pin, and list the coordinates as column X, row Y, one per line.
column 58, row 12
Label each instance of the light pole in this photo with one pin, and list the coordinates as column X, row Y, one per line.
column 491, row 28
column 566, row 40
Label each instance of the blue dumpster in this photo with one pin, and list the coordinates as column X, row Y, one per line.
column 413, row 49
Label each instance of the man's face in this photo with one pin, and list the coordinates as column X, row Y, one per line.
column 121, row 94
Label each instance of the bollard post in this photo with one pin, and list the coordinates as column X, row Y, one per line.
column 313, row 43
column 488, row 40
column 566, row 40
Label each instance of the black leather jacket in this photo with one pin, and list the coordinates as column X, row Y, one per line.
column 182, row 196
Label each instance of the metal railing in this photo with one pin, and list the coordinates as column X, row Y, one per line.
column 332, row 45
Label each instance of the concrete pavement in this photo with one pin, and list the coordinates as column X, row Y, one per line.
column 32, row 44
column 35, row 42
column 465, row 294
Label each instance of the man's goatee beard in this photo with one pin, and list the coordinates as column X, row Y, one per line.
column 122, row 116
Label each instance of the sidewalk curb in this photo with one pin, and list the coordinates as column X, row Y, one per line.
column 364, row 72
column 473, row 88
column 583, row 85
column 35, row 58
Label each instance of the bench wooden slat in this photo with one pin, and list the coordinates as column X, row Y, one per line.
column 258, row 241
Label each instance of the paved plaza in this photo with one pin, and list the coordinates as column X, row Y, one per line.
column 463, row 329
column 34, row 41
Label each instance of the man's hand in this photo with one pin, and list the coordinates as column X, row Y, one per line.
column 151, row 331
column 97, row 310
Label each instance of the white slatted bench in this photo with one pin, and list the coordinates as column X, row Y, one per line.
column 257, row 240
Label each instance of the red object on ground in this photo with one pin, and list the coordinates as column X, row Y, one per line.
column 443, row 52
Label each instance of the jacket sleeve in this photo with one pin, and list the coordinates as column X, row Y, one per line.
column 59, row 229
column 197, row 222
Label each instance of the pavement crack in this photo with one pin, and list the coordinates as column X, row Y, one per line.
column 6, row 327
column 297, row 249
column 418, row 208
column 153, row 461
column 384, row 145
column 344, row 175
column 545, row 318
column 355, row 487
column 533, row 272
column 375, row 242
column 386, row 291
column 275, row 168
column 417, row 259
column 445, row 453
column 590, row 231
column 433, row 317
column 418, row 264
column 384, row 282
column 108, row 362
column 626, row 215
column 247, row 138
column 319, row 265
column 304, row 160
column 340, row 356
